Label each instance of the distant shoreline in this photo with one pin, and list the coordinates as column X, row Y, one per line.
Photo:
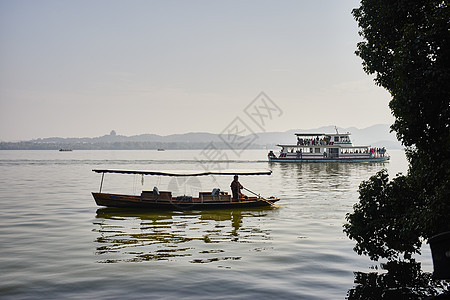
column 376, row 136
column 141, row 146
column 119, row 146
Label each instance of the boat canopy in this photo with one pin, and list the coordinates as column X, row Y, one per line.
column 187, row 173
column 310, row 134
column 322, row 146
column 323, row 134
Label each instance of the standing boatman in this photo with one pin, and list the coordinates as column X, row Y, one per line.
column 236, row 188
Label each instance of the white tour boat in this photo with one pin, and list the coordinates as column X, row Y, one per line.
column 321, row 147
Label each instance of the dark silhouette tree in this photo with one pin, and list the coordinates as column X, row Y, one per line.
column 406, row 45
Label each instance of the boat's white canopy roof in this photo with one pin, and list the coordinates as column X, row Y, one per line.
column 323, row 146
column 186, row 173
column 322, row 134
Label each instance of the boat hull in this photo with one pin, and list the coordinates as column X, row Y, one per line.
column 130, row 201
column 327, row 160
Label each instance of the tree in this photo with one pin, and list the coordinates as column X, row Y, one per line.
column 407, row 46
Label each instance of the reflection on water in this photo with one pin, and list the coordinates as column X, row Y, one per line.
column 136, row 236
column 330, row 168
column 403, row 280
column 296, row 252
column 334, row 173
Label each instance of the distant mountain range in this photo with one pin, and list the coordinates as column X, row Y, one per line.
column 375, row 136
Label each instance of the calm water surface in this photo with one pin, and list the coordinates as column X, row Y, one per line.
column 56, row 243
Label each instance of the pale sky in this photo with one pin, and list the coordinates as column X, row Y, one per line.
column 83, row 68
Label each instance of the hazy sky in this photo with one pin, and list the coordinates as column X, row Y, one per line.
column 83, row 68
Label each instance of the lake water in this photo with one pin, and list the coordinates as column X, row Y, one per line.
column 57, row 244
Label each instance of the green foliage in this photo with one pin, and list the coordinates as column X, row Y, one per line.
column 380, row 223
column 407, row 46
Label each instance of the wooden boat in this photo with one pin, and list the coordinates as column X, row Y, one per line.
column 321, row 147
column 156, row 199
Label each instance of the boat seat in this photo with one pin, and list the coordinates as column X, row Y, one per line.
column 150, row 196
column 184, row 199
column 208, row 197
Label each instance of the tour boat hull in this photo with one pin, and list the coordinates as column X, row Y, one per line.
column 359, row 159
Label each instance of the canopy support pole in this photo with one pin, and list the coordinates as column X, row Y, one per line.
column 101, row 183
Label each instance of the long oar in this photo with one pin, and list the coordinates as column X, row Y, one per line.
column 262, row 198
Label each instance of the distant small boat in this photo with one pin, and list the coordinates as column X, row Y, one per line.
column 64, row 150
column 161, row 149
column 156, row 199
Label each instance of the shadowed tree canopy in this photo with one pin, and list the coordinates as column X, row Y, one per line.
column 406, row 45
